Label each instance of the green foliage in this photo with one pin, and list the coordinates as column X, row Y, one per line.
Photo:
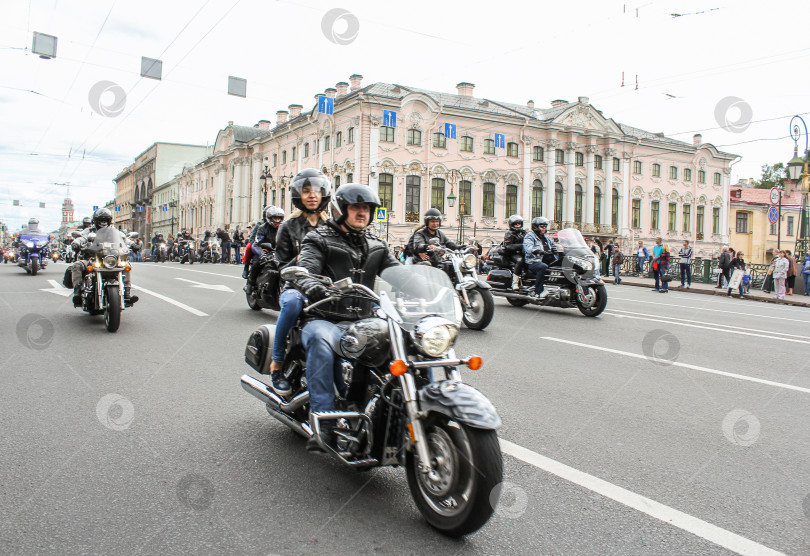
column 772, row 176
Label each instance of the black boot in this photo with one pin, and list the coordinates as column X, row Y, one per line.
column 77, row 296
column 129, row 299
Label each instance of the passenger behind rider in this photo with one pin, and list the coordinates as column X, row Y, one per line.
column 311, row 192
column 342, row 248
column 420, row 243
column 265, row 233
column 513, row 247
column 538, row 248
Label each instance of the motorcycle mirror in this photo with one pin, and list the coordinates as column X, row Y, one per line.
column 134, row 235
column 293, row 272
column 76, row 233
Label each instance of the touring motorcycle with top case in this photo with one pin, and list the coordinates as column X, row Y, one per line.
column 32, row 252
column 401, row 399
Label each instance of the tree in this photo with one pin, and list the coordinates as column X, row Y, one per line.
column 772, row 176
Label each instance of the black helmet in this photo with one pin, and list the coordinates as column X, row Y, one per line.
column 538, row 221
column 86, row 222
column 515, row 222
column 315, row 178
column 102, row 215
column 350, row 194
column 274, row 215
column 432, row 214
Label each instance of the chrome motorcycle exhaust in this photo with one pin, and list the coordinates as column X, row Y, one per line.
column 276, row 406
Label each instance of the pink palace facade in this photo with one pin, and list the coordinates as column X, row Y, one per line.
column 567, row 162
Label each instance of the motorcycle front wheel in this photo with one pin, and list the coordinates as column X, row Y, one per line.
column 481, row 310
column 34, row 267
column 459, row 494
column 595, row 301
column 112, row 311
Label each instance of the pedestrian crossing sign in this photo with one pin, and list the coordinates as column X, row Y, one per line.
column 382, row 215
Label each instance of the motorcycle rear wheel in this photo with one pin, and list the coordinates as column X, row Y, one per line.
column 480, row 314
column 468, row 468
column 597, row 306
column 252, row 302
column 112, row 312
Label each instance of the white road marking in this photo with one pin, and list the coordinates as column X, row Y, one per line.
column 683, row 365
column 714, row 328
column 217, row 287
column 174, row 302
column 57, row 288
column 657, row 510
column 712, row 310
column 239, row 277
column 710, row 323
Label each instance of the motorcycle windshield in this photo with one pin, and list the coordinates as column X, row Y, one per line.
column 417, row 291
column 108, row 242
column 570, row 238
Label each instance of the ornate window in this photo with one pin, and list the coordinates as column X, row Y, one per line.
column 617, row 165
column 306, row 150
column 636, row 166
column 488, row 205
column 413, row 186
column 511, row 199
column 687, row 218
column 437, row 194
column 386, row 134
column 386, row 190
column 349, row 178
column 292, row 154
column 350, row 135
column 559, row 156
column 275, row 159
column 672, row 215
column 654, row 214
column 489, row 146
column 464, row 197
column 716, row 220
column 597, row 204
column 338, row 139
column 579, row 159
column 742, row 223
column 512, row 150
column 284, row 157
column 790, row 225
column 673, row 172
column 717, row 178
column 597, row 162
column 537, row 154
column 614, row 208
column 439, row 141
column 701, row 176
column 537, row 198
column 637, row 213
column 466, row 144
column 558, row 202
column 699, row 218
column 337, row 182
column 656, row 170
column 414, row 137
column 578, row 203
column 687, row 174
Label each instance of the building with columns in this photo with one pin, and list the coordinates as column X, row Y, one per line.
column 568, row 162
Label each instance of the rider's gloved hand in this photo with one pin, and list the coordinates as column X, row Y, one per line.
column 316, row 293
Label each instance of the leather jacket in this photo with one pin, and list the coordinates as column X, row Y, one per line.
column 266, row 233
column 289, row 238
column 513, row 242
column 330, row 251
column 423, row 236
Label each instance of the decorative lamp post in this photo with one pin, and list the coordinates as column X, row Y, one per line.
column 798, row 170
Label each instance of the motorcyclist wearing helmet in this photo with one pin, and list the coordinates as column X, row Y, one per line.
column 86, row 223
column 204, row 244
column 513, row 247
column 156, row 240
column 420, row 244
column 102, row 218
column 538, row 248
column 265, row 232
column 342, row 248
column 311, row 193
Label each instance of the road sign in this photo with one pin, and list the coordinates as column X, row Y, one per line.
column 499, row 141
column 95, row 207
column 775, row 195
column 773, row 215
column 326, row 105
column 382, row 215
column 389, row 118
column 450, row 131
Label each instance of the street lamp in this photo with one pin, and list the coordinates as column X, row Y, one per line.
column 798, row 170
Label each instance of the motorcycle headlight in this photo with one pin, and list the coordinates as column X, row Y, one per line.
column 97, row 263
column 434, row 336
column 470, row 260
column 582, row 262
column 110, row 261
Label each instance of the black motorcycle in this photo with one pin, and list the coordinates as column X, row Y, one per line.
column 185, row 251
column 572, row 278
column 209, row 252
column 267, row 289
column 161, row 252
column 402, row 402
column 103, row 288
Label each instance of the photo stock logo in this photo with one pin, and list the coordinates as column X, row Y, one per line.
column 115, row 412
column 195, row 491
column 661, row 347
column 340, row 26
column 741, row 427
column 107, row 99
column 35, row 331
column 725, row 109
column 509, row 500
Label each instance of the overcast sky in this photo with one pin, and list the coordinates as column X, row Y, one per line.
column 687, row 66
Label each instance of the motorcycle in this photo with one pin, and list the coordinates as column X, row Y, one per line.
column 185, row 251
column 395, row 410
column 103, row 288
column 572, row 278
column 209, row 252
column 33, row 253
column 473, row 293
column 265, row 293
column 161, row 252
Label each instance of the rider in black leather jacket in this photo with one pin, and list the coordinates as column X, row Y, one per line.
column 513, row 247
column 420, row 242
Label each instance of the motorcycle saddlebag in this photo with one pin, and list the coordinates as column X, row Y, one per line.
column 499, row 277
column 67, row 281
column 259, row 349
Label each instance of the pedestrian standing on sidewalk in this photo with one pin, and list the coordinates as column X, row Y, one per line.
column 658, row 248
column 225, row 245
column 724, row 265
column 793, row 270
column 616, row 261
column 236, row 243
column 780, row 272
column 663, row 267
column 737, row 263
column 609, row 250
column 685, row 255
column 643, row 255
column 806, row 274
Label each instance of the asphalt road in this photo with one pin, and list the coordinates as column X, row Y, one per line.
column 672, row 424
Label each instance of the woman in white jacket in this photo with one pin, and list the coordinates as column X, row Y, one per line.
column 780, row 272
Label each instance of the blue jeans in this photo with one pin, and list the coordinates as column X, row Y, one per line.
column 323, row 373
column 616, row 269
column 686, row 274
column 806, row 283
column 662, row 270
column 641, row 262
column 236, row 248
column 226, row 252
column 539, row 270
column 292, row 302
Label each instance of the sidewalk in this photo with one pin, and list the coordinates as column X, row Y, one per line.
column 797, row 300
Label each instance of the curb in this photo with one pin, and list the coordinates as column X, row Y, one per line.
column 723, row 293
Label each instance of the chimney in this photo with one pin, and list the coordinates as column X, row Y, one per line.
column 697, row 139
column 558, row 102
column 465, row 89
column 342, row 88
column 356, row 81
column 583, row 100
column 263, row 124
column 530, row 104
column 295, row 110
column 330, row 92
column 230, row 123
column 281, row 116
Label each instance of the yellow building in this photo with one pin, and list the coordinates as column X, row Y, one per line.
column 749, row 228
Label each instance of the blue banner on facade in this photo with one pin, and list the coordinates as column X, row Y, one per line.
column 499, row 141
column 450, row 131
column 389, row 118
column 326, row 105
